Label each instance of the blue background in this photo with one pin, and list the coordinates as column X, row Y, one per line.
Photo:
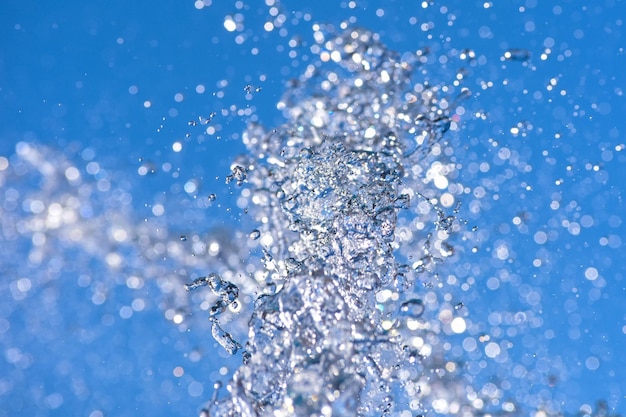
column 68, row 75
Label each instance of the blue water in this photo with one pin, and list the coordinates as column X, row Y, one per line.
column 105, row 186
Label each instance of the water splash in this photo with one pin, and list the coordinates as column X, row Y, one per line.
column 329, row 187
column 51, row 215
column 226, row 291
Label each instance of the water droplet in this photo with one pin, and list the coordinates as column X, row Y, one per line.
column 224, row 338
column 198, row 282
column 255, row 234
column 290, row 204
column 225, row 290
column 204, row 120
column 413, row 308
column 403, row 202
column 238, row 174
column 292, row 265
column 517, row 54
column 268, row 260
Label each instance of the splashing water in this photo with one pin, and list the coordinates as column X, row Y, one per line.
column 329, row 187
column 363, row 278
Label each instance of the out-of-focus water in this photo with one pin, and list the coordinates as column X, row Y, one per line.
column 433, row 225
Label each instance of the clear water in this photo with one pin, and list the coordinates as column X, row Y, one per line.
column 430, row 232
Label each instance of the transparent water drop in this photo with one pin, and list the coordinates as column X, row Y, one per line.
column 225, row 290
column 268, row 260
column 246, row 356
column 413, row 308
column 517, row 54
column 224, row 338
column 403, row 202
column 239, row 174
column 292, row 265
column 198, row 282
